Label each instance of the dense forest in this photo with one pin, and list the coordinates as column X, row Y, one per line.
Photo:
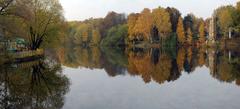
column 42, row 24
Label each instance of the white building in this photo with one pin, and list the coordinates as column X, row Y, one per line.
column 212, row 30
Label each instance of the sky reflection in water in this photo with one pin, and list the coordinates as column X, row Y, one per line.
column 131, row 78
column 207, row 78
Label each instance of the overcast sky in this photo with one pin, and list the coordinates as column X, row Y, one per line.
column 84, row 9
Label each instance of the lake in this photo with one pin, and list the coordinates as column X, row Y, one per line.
column 130, row 78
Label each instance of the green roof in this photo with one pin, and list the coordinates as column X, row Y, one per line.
column 20, row 41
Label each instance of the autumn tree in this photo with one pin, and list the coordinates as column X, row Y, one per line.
column 224, row 15
column 174, row 17
column 202, row 32
column 45, row 21
column 11, row 26
column 188, row 22
column 192, row 22
column 143, row 25
column 85, row 33
column 161, row 19
column 180, row 31
column 96, row 37
column 189, row 36
column 207, row 25
column 132, row 19
column 42, row 20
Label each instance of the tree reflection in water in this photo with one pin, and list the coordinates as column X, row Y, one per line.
column 156, row 64
column 37, row 85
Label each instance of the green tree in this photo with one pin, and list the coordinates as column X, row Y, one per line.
column 45, row 20
column 112, row 19
column 224, row 16
column 237, row 17
column 42, row 20
column 83, row 33
column 116, row 36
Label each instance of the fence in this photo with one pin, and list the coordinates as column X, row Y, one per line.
column 25, row 54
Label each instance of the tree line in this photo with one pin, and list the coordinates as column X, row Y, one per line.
column 227, row 18
column 42, row 24
column 95, row 31
column 157, row 26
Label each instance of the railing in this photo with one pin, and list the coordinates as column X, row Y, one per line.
column 27, row 64
column 6, row 57
column 25, row 54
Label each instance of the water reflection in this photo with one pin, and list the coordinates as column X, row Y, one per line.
column 37, row 85
column 156, row 64
column 40, row 84
column 225, row 65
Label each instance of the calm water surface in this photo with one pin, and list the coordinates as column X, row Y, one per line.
column 132, row 78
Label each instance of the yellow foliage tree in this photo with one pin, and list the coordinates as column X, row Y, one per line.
column 201, row 31
column 161, row 19
column 96, row 37
column 189, row 36
column 132, row 19
column 180, row 31
column 144, row 25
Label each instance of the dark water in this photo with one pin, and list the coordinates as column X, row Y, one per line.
column 131, row 78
